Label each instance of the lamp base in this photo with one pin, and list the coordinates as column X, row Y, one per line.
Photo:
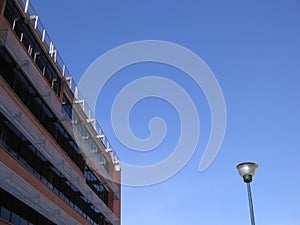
column 247, row 178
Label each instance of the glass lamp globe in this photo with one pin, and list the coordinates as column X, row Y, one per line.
column 247, row 170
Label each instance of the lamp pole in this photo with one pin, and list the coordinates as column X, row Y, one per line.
column 247, row 171
column 250, row 204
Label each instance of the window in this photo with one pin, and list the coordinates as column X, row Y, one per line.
column 40, row 110
column 67, row 107
column 38, row 164
column 25, row 35
column 16, row 212
column 5, row 214
column 96, row 185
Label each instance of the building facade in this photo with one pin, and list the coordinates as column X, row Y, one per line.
column 56, row 165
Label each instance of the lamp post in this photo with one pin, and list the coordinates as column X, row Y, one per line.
column 247, row 171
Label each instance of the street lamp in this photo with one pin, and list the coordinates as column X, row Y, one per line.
column 247, row 171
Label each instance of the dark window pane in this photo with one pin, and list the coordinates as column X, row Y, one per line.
column 15, row 219
column 5, row 214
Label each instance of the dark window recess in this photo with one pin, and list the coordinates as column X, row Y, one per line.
column 26, row 92
column 67, row 106
column 21, row 28
column 42, row 112
column 11, row 12
column 96, row 185
column 15, row 212
column 21, row 148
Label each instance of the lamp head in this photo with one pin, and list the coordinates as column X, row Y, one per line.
column 247, row 170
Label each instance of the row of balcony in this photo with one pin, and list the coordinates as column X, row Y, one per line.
column 41, row 33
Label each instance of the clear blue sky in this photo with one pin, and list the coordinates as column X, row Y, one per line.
column 253, row 48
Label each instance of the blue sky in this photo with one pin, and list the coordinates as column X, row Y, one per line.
column 253, row 49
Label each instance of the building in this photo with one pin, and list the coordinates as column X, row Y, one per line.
column 56, row 165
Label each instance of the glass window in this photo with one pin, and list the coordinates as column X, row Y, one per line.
column 15, row 219
column 5, row 214
column 23, row 221
column 27, row 154
column 11, row 12
column 19, row 213
column 3, row 136
column 32, row 158
column 67, row 106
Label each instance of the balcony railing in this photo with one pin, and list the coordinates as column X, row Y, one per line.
column 44, row 37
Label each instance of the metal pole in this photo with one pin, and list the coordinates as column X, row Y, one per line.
column 250, row 204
